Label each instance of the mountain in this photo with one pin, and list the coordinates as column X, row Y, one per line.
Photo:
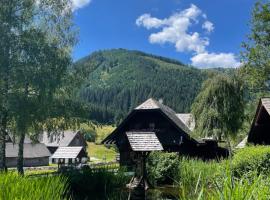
column 115, row 81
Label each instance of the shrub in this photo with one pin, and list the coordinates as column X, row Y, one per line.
column 13, row 186
column 162, row 168
column 89, row 134
column 98, row 184
column 252, row 159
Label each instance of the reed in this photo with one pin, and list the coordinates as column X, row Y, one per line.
column 13, row 186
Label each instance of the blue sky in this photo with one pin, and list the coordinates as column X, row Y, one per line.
column 204, row 33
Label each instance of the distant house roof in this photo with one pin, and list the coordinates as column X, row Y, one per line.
column 69, row 152
column 62, row 139
column 144, row 141
column 187, row 119
column 30, row 150
column 14, row 139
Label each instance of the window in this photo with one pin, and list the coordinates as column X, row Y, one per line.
column 152, row 125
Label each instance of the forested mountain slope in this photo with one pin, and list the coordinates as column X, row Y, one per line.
column 115, row 81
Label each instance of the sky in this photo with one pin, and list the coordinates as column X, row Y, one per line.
column 202, row 33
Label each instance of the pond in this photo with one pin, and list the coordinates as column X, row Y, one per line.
column 159, row 193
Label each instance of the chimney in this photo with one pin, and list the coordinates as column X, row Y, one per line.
column 160, row 101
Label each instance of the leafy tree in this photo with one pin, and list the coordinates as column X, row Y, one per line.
column 257, row 49
column 36, row 59
column 219, row 107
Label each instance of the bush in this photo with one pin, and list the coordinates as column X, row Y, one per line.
column 14, row 186
column 252, row 159
column 89, row 134
column 98, row 184
column 162, row 168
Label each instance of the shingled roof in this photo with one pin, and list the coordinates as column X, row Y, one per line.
column 187, row 119
column 144, row 141
column 30, row 150
column 58, row 140
column 69, row 152
column 152, row 104
column 259, row 129
column 266, row 104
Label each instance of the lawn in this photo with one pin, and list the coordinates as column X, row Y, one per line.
column 99, row 153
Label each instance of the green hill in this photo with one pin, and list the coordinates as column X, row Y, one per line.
column 115, row 81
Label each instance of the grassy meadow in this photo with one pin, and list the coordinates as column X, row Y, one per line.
column 97, row 151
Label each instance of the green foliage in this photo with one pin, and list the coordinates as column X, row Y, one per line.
column 100, row 184
column 89, row 134
column 228, row 187
column 219, row 180
column 252, row 159
column 116, row 81
column 219, row 107
column 17, row 187
column 162, row 167
column 257, row 49
column 195, row 175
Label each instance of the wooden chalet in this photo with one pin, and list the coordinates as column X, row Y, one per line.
column 70, row 156
column 154, row 119
column 34, row 154
column 260, row 128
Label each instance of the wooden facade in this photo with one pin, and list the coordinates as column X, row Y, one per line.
column 260, row 129
column 173, row 134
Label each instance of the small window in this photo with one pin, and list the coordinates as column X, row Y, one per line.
column 152, row 125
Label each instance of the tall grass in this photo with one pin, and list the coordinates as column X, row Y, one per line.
column 196, row 175
column 217, row 180
column 13, row 186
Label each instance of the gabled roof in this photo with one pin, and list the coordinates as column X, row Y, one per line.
column 144, row 141
column 263, row 109
column 266, row 104
column 58, row 140
column 187, row 119
column 69, row 152
column 30, row 150
column 15, row 139
column 152, row 104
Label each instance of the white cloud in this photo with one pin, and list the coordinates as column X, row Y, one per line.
column 174, row 30
column 212, row 60
column 148, row 22
column 77, row 4
column 208, row 26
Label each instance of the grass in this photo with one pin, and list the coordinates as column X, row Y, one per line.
column 14, row 186
column 101, row 152
column 103, row 131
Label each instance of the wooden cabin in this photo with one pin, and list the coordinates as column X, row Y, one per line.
column 260, row 128
column 173, row 134
column 33, row 155
column 70, row 156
